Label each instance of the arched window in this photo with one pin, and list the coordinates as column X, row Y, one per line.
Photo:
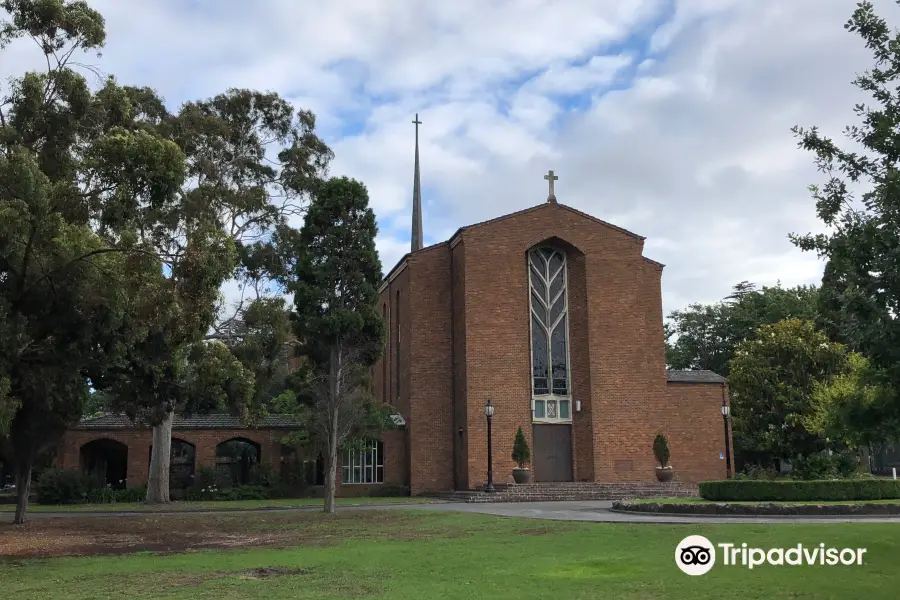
column 550, row 382
column 236, row 459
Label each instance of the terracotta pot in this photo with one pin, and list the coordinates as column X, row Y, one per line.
column 522, row 475
column 664, row 474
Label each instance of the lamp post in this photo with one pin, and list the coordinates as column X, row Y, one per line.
column 726, row 412
column 489, row 413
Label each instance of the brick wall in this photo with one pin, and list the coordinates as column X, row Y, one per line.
column 696, row 431
column 460, row 398
column 449, row 366
column 139, row 441
column 430, row 370
column 616, row 341
column 395, row 457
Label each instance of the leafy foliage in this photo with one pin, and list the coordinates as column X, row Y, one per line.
column 521, row 453
column 851, row 407
column 70, row 486
column 860, row 204
column 705, row 336
column 772, row 382
column 661, row 450
column 335, row 285
column 800, row 491
column 78, row 175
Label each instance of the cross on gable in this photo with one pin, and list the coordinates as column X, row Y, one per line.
column 550, row 177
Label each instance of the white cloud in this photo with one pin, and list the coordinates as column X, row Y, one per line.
column 695, row 152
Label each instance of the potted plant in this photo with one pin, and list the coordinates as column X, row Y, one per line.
column 521, row 454
column 664, row 471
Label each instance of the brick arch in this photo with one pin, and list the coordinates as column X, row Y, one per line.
column 105, row 458
column 236, row 457
column 567, row 245
column 87, row 439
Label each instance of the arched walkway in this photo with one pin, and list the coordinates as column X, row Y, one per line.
column 236, row 458
column 107, row 460
column 182, row 463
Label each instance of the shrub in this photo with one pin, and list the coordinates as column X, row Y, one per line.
column 110, row 496
column 661, row 450
column 62, row 486
column 800, row 491
column 264, row 476
column 824, row 466
column 70, row 486
column 208, row 481
column 521, row 454
column 244, row 492
column 241, row 492
column 390, row 491
column 757, row 472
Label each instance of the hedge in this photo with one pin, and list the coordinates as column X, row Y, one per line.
column 789, row 491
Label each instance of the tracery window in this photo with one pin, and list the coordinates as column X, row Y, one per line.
column 550, row 382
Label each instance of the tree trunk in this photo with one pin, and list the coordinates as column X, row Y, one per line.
column 334, row 374
column 23, row 489
column 158, row 481
column 331, row 475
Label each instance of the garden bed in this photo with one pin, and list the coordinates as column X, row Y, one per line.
column 759, row 509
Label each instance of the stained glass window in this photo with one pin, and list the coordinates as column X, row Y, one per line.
column 549, row 332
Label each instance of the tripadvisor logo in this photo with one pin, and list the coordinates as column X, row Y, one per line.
column 696, row 555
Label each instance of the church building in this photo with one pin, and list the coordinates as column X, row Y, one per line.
column 555, row 317
column 550, row 314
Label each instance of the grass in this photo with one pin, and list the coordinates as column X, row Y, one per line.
column 211, row 505
column 793, row 503
column 420, row 555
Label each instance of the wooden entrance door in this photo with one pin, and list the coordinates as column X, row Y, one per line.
column 552, row 452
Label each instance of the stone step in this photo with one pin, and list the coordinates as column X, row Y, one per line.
column 568, row 491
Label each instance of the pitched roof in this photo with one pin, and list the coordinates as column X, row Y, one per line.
column 542, row 205
column 694, row 377
column 216, row 421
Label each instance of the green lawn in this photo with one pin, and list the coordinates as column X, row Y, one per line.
column 211, row 505
column 702, row 501
column 417, row 555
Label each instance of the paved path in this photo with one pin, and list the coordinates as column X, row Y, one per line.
column 597, row 511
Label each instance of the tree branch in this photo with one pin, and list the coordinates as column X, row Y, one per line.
column 83, row 257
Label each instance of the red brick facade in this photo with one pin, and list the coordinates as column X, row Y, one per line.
column 458, row 332
column 458, row 323
column 138, row 441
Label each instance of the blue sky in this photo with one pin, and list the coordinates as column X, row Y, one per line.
column 670, row 118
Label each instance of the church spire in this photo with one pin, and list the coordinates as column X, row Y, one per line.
column 416, row 241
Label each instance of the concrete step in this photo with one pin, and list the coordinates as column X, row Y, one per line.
column 568, row 491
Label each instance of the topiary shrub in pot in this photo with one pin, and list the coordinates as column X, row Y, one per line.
column 664, row 471
column 521, row 454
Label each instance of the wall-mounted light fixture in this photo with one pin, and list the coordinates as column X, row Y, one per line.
column 578, row 406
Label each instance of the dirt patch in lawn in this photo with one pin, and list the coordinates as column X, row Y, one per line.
column 538, row 531
column 90, row 536
column 265, row 572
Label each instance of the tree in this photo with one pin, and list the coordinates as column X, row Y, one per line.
column 521, row 453
column 661, row 450
column 863, row 235
column 335, row 286
column 73, row 275
column 849, row 408
column 706, row 335
column 774, row 377
column 232, row 218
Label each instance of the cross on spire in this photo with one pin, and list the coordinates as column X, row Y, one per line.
column 550, row 177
